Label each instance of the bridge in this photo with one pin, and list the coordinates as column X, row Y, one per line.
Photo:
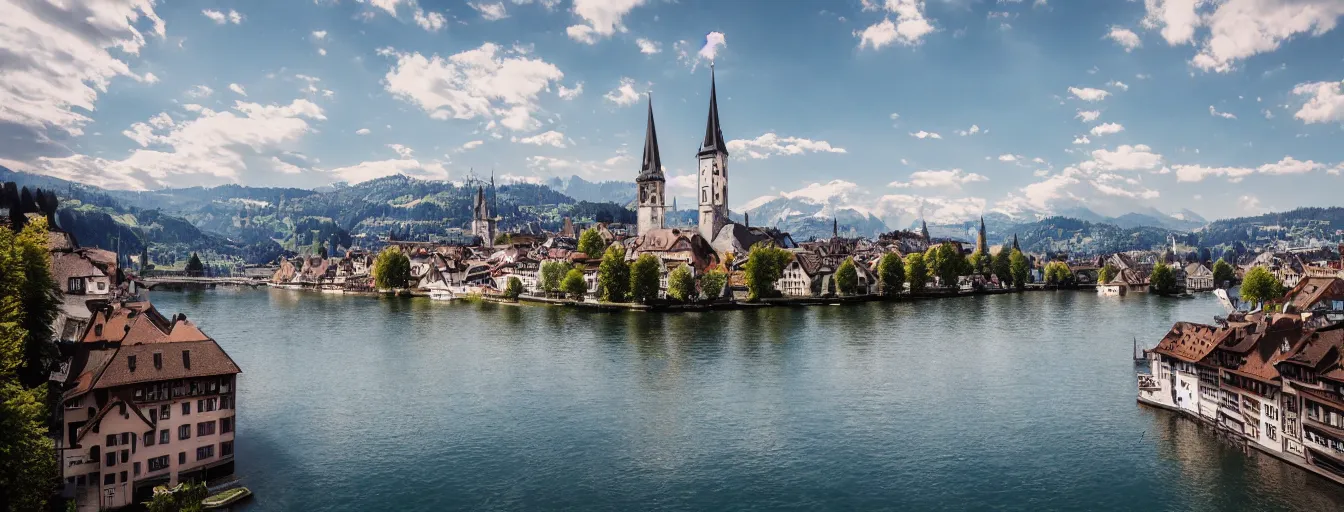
column 189, row 282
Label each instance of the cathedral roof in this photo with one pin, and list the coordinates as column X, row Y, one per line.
column 713, row 131
column 652, row 167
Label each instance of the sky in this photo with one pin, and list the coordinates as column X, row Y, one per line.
column 943, row 109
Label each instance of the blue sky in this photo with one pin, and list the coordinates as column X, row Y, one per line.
column 941, row 108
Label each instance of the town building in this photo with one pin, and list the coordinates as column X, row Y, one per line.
column 482, row 222
column 650, row 182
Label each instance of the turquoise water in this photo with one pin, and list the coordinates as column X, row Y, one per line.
column 1011, row 402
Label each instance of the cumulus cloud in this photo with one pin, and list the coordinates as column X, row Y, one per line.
column 433, row 21
column 925, row 135
column 1238, row 29
column 972, row 131
column 1008, row 157
column 624, row 94
column 490, row 11
column 1081, row 139
column 489, row 83
column 365, row 171
column 362, row 131
column 952, row 179
column 319, row 34
column 1089, row 94
column 211, row 148
column 1088, row 115
column 1118, row 85
column 550, row 138
column 600, row 169
column 566, row 93
column 221, row 18
column 601, row 18
column 1106, row 129
column 648, row 47
column 909, row 29
column 199, row 91
column 237, row 89
column 57, row 60
column 1138, row 157
column 1325, row 102
column 472, row 144
column 770, row 144
column 1124, row 37
column 1225, row 115
column 713, row 42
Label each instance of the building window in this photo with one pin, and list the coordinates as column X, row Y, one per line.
column 158, row 463
column 135, row 468
column 205, row 428
column 163, row 436
column 75, row 285
column 205, row 452
column 184, row 432
column 149, row 438
column 123, row 477
column 111, row 459
column 186, row 407
column 226, row 448
column 181, row 458
column 154, row 415
column 165, row 412
column 102, row 286
column 125, row 456
column 111, row 440
column 226, row 425
column 109, row 479
column 125, row 438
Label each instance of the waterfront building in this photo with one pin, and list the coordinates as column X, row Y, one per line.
column 806, row 275
column 650, row 182
column 147, row 400
column 1198, row 278
column 1320, row 300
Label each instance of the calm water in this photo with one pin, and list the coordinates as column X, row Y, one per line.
column 1015, row 402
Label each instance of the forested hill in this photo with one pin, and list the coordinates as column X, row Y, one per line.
column 1294, row 225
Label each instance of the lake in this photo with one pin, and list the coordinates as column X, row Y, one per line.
column 1006, row 402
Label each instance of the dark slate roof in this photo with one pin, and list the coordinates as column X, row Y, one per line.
column 713, row 142
column 65, row 265
column 651, row 169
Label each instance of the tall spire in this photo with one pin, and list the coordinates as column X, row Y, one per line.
column 924, row 229
column 981, row 241
column 713, row 131
column 652, row 167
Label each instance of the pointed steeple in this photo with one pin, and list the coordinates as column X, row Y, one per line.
column 924, row 229
column 651, row 169
column 981, row 241
column 713, row 131
column 835, row 228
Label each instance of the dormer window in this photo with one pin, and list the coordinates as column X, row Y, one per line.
column 130, row 363
column 186, row 359
column 98, row 330
column 158, row 360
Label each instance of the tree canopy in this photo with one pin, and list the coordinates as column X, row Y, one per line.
column 194, row 265
column 916, row 272
column 847, row 278
column 613, row 275
column 644, row 277
column 1020, row 269
column 765, row 265
column 1002, row 266
column 681, row 284
column 391, row 269
column 591, row 243
column 946, row 263
column 1057, row 273
column 551, row 274
column 514, row 288
column 891, row 271
column 1162, row 281
column 1259, row 285
column 573, row 284
column 1223, row 274
column 1107, row 273
column 712, row 283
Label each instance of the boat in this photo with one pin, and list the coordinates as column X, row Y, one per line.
column 226, row 498
column 327, row 288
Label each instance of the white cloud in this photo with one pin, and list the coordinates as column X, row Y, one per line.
column 1089, row 94
column 388, row 5
column 509, row 179
column 953, row 179
column 909, row 29
column 321, row 51
column 238, row 89
column 604, row 169
column 550, row 138
column 713, row 41
column 972, row 131
column 1081, row 139
column 1125, row 38
column 1106, row 129
column 221, row 18
column 1325, row 105
column 925, row 135
column 488, row 82
column 1138, row 157
column 199, row 91
column 1008, row 157
column 402, row 151
column 472, row 144
column 1088, row 115
column 365, row 171
column 623, row 95
column 648, row 47
column 1177, row 19
column 566, row 93
column 212, row 148
column 770, row 144
column 56, row 62
column 490, row 11
column 319, row 34
column 1238, row 29
column 1224, row 115
column 602, row 18
column 363, row 131
column 1118, row 85
column 433, row 21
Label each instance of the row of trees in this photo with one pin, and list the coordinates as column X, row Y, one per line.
column 28, row 305
column 621, row 281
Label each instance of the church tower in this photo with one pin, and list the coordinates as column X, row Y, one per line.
column 650, row 182
column 713, row 178
column 482, row 224
column 981, row 241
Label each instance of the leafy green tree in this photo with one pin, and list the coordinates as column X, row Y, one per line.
column 573, row 284
column 916, row 272
column 318, row 249
column 765, row 265
column 1259, row 285
column 552, row 274
column 514, row 288
column 712, row 283
column 1162, row 281
column 1002, row 267
column 194, row 265
column 947, row 263
column 391, row 269
column 591, row 243
column 1107, row 273
column 1223, row 274
column 186, row 498
column 644, row 274
column 891, row 271
column 503, row 239
column 28, row 471
column 681, row 284
column 979, row 263
column 847, row 277
column 613, row 275
column 1020, row 269
column 1057, row 273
